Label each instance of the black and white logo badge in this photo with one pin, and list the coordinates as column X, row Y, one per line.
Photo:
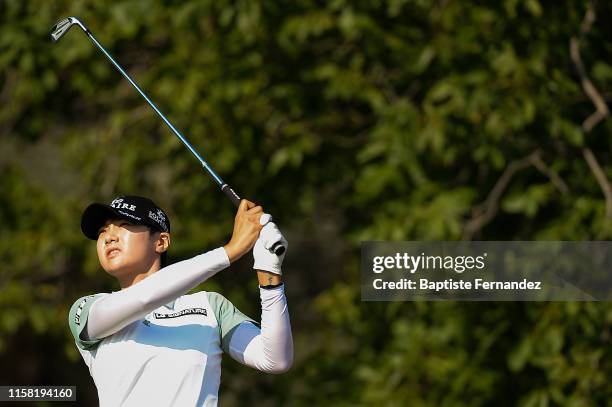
column 160, row 218
column 79, row 311
column 118, row 204
column 190, row 311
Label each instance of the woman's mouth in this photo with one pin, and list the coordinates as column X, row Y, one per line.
column 113, row 252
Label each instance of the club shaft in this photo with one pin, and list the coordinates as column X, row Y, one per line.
column 207, row 167
column 61, row 28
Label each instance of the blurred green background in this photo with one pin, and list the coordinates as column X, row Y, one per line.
column 348, row 121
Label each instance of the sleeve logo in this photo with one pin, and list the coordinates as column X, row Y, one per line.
column 77, row 316
column 190, row 311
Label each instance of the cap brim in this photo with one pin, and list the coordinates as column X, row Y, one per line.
column 95, row 216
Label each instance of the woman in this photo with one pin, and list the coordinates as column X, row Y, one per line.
column 151, row 344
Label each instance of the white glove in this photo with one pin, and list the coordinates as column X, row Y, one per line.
column 265, row 259
column 265, row 218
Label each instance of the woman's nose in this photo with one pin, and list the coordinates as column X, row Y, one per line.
column 110, row 233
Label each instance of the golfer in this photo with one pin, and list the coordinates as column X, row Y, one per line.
column 151, row 344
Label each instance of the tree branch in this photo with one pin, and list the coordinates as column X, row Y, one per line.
column 485, row 212
column 601, row 179
column 554, row 177
column 601, row 109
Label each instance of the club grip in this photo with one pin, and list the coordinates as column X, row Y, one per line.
column 227, row 190
column 278, row 248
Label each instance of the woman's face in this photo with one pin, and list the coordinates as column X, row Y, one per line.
column 125, row 248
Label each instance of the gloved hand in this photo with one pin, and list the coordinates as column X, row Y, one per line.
column 265, row 259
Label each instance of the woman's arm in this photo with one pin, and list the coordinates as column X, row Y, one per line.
column 269, row 348
column 119, row 309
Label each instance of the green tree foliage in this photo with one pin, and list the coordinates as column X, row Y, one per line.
column 349, row 121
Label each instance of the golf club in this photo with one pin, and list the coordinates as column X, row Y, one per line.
column 58, row 32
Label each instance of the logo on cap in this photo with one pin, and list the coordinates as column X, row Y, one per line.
column 118, row 204
column 159, row 217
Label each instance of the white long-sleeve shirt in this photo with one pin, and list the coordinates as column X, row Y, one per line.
column 151, row 344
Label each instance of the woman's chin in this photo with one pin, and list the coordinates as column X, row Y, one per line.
column 115, row 269
column 119, row 268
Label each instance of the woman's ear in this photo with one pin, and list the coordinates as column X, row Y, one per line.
column 163, row 242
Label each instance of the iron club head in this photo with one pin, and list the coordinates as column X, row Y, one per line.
column 63, row 26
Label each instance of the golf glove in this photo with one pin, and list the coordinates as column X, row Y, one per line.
column 265, row 259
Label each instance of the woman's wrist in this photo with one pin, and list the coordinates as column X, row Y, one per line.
column 266, row 278
column 232, row 253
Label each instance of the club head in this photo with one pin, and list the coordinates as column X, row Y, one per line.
column 63, row 26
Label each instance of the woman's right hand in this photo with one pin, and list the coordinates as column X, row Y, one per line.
column 246, row 230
